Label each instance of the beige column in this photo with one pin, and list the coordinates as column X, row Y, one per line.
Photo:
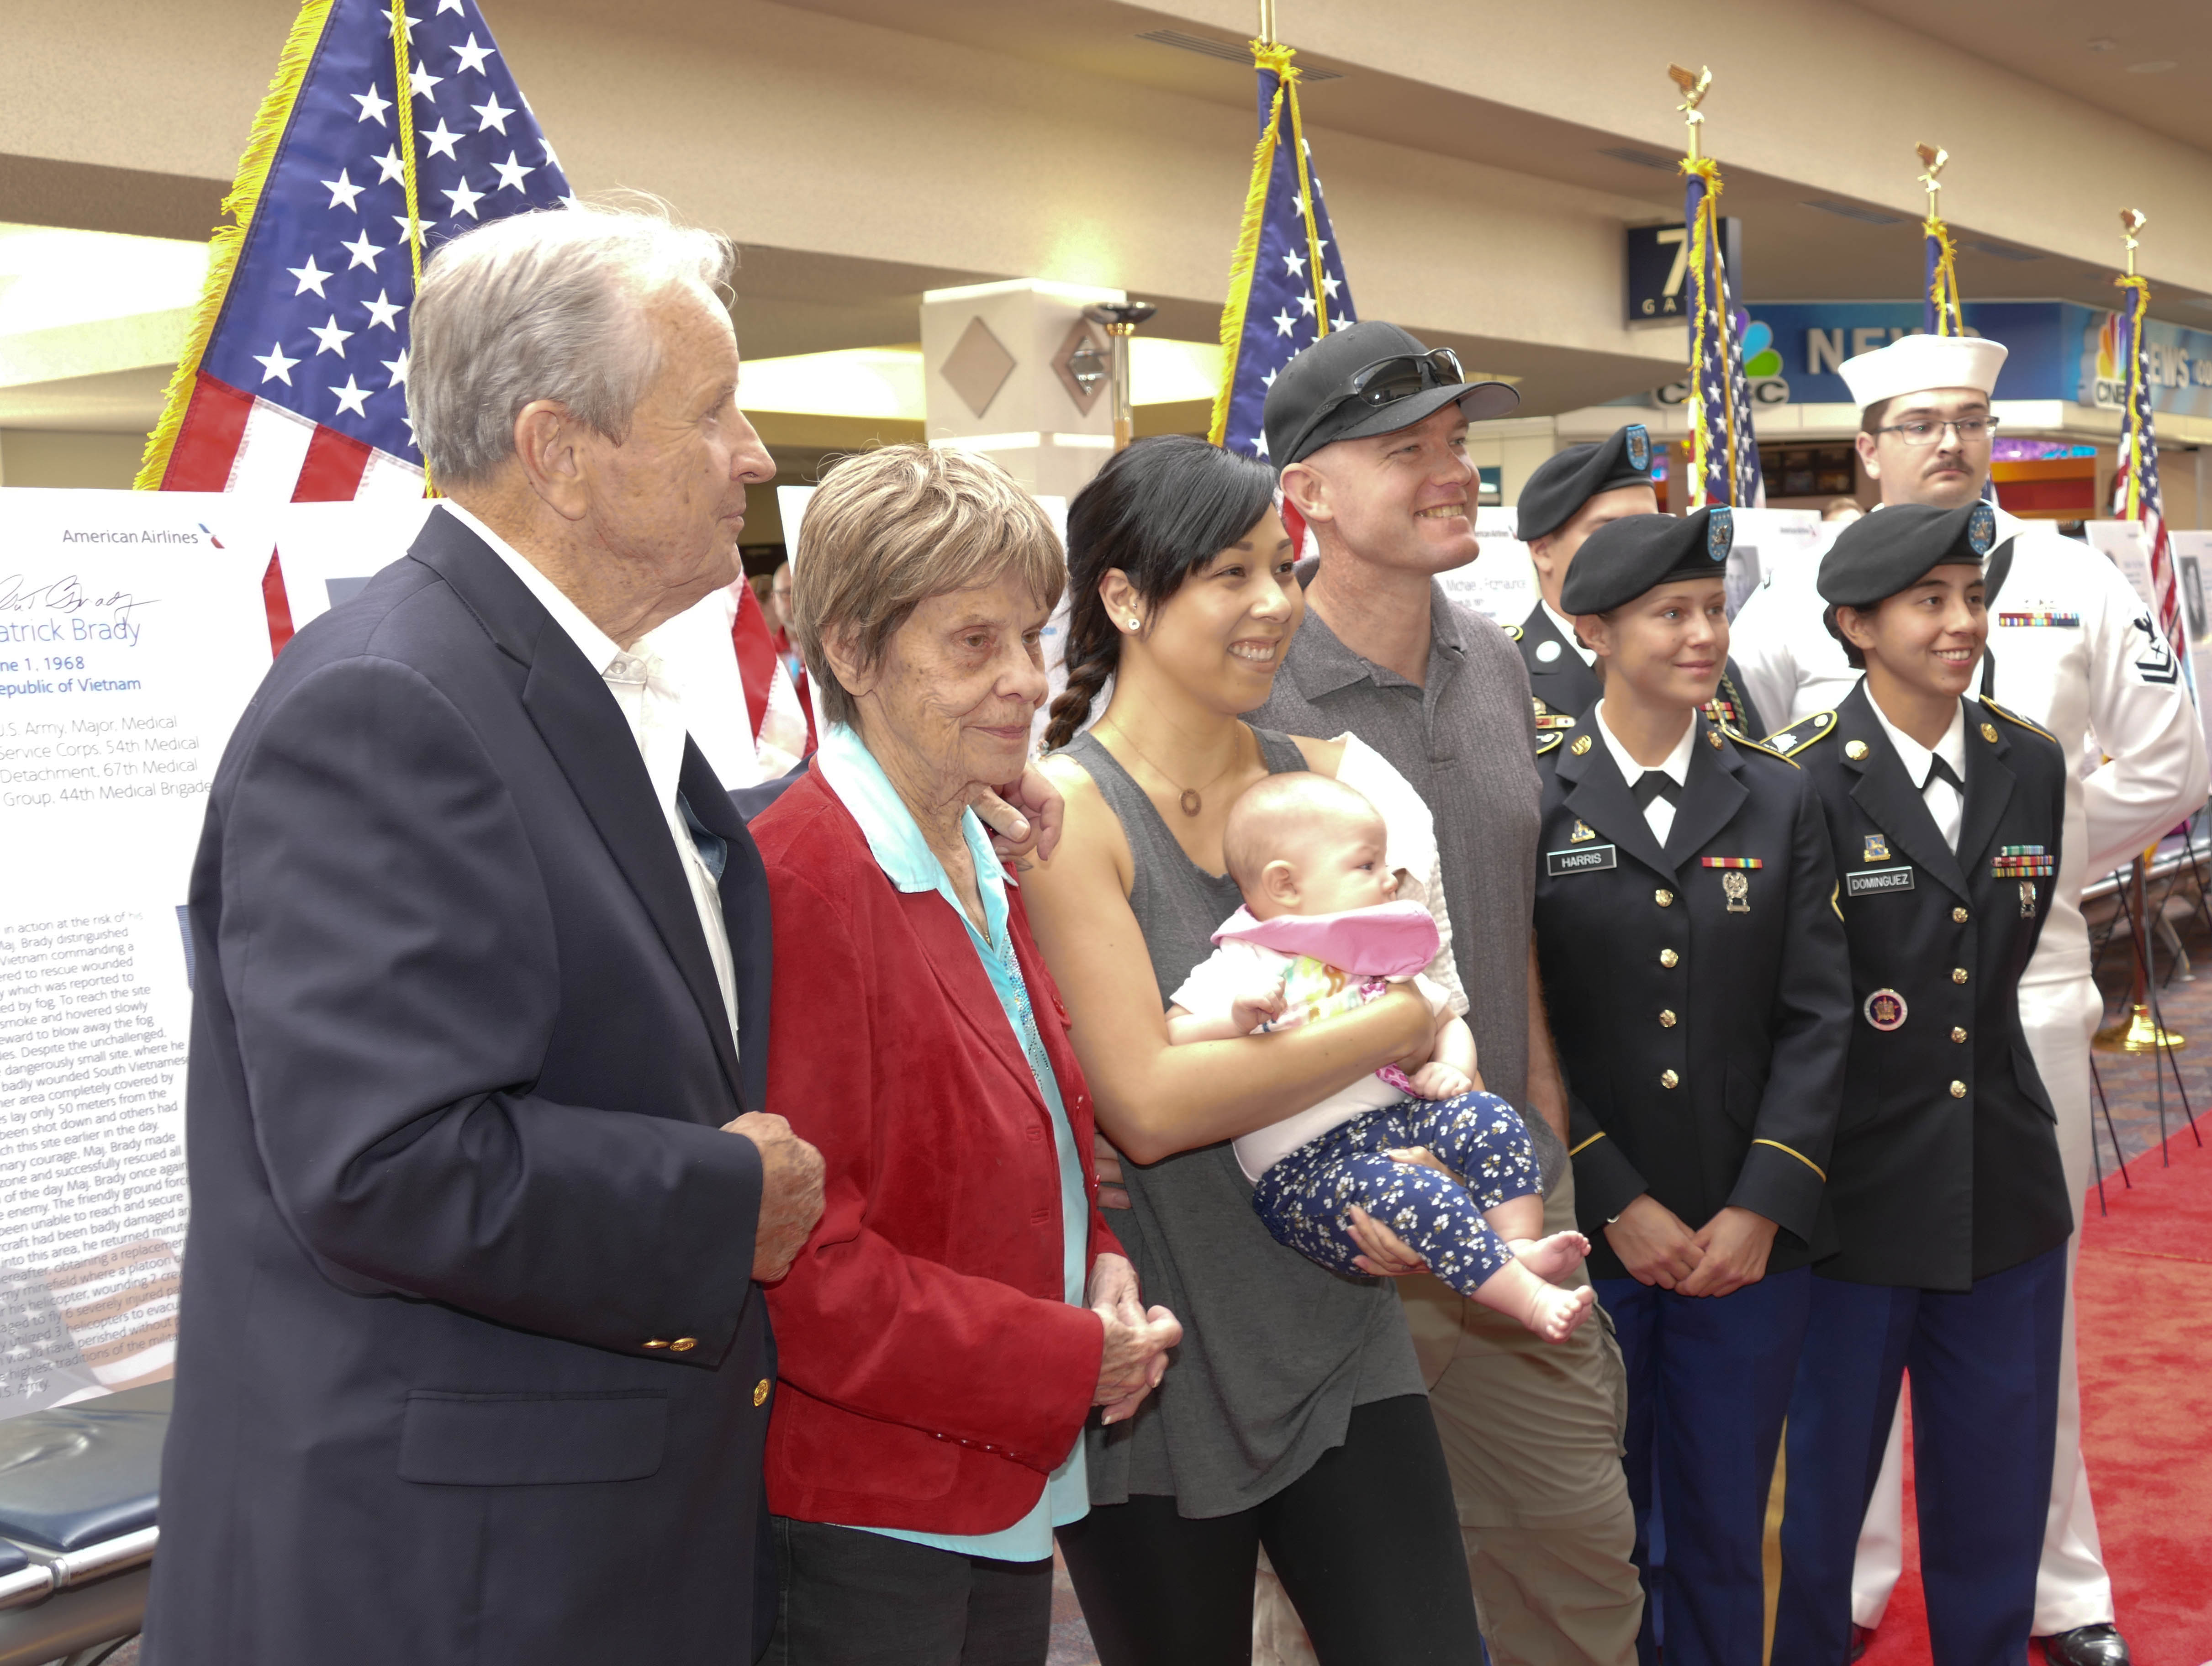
column 1014, row 371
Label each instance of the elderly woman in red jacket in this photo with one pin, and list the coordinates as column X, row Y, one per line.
column 962, row 1307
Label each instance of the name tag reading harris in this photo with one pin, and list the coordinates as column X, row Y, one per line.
column 1868, row 882
column 1588, row 859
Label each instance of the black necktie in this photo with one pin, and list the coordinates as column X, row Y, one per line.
column 1940, row 770
column 1654, row 784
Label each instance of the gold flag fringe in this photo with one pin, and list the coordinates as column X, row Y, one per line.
column 1265, row 55
column 227, row 243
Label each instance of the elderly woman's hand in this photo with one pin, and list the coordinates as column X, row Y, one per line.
column 1024, row 816
column 1137, row 1339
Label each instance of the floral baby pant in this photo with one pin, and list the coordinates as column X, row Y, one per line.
column 1306, row 1197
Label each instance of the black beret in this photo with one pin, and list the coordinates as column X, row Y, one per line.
column 1625, row 558
column 1566, row 480
column 1894, row 548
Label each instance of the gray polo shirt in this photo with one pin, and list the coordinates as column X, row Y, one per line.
column 1465, row 740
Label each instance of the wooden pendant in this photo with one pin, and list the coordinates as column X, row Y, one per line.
column 1192, row 804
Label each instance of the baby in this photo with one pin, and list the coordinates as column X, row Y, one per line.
column 1319, row 935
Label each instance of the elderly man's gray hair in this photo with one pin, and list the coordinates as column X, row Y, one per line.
column 549, row 304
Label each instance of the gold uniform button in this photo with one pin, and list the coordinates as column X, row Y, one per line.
column 1957, row 1034
column 1667, row 1018
column 1959, row 917
column 1958, row 974
column 684, row 1345
column 1668, row 1078
column 1663, row 897
column 760, row 1395
column 1855, row 749
column 1957, row 1089
column 1668, row 957
column 1989, row 733
column 656, row 1343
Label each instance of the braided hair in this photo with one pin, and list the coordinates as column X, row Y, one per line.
column 1156, row 510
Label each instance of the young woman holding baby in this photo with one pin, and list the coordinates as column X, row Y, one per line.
column 1295, row 1414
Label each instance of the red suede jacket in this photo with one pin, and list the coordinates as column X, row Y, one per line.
column 931, row 1376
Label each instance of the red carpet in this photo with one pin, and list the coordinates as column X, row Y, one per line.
column 2144, row 1303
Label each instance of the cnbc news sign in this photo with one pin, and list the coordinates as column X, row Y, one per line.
column 2059, row 351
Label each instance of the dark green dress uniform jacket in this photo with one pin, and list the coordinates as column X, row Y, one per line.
column 1563, row 684
column 1946, row 1165
column 1702, row 1013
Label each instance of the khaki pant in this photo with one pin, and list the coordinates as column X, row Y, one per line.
column 1533, row 1435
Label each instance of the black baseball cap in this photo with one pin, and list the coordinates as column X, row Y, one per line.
column 1317, row 398
column 1627, row 558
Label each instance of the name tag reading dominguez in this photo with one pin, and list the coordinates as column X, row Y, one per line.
column 1588, row 859
column 1869, row 881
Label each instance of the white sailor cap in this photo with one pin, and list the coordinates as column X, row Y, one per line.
column 1914, row 364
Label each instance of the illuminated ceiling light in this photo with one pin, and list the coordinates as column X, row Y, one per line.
column 50, row 277
column 2103, row 44
column 2157, row 66
column 885, row 383
column 880, row 382
column 1163, row 372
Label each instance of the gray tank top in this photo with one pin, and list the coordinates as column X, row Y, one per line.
column 1276, row 1351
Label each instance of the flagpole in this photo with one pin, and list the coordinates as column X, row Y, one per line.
column 1940, row 287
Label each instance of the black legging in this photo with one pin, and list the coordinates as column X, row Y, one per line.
column 1366, row 1542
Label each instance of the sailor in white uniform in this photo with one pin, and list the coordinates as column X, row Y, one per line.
column 2072, row 647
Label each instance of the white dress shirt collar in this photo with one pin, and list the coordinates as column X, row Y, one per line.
column 1566, row 627
column 1658, row 815
column 1945, row 802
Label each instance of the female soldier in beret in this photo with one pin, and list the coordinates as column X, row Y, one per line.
column 1950, row 1204
column 1694, row 967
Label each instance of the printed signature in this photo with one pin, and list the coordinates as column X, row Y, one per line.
column 66, row 594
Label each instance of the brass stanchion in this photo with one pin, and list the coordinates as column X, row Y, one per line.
column 1121, row 319
column 2140, row 1032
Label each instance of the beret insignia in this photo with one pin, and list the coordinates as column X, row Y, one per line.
column 1640, row 446
column 1982, row 529
column 1720, row 532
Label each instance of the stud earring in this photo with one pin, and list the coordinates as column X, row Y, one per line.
column 1133, row 621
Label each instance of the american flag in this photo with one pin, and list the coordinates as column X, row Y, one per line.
column 293, row 383
column 1287, row 283
column 1723, row 451
column 2136, row 494
column 295, row 386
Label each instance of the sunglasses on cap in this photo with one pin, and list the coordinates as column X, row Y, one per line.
column 1384, row 383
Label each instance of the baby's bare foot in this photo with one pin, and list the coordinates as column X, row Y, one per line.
column 1556, row 1313
column 1550, row 1257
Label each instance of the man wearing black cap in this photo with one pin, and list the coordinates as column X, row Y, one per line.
column 1570, row 496
column 1369, row 428
column 1946, row 815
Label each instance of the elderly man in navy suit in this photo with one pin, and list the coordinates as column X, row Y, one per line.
column 472, row 1363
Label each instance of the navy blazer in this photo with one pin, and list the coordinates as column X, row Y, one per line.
column 471, row 1368
column 1946, row 1159
column 1701, row 1013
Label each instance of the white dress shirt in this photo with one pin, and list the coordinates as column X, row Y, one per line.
column 1658, row 815
column 1945, row 802
column 652, row 705
column 1566, row 627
